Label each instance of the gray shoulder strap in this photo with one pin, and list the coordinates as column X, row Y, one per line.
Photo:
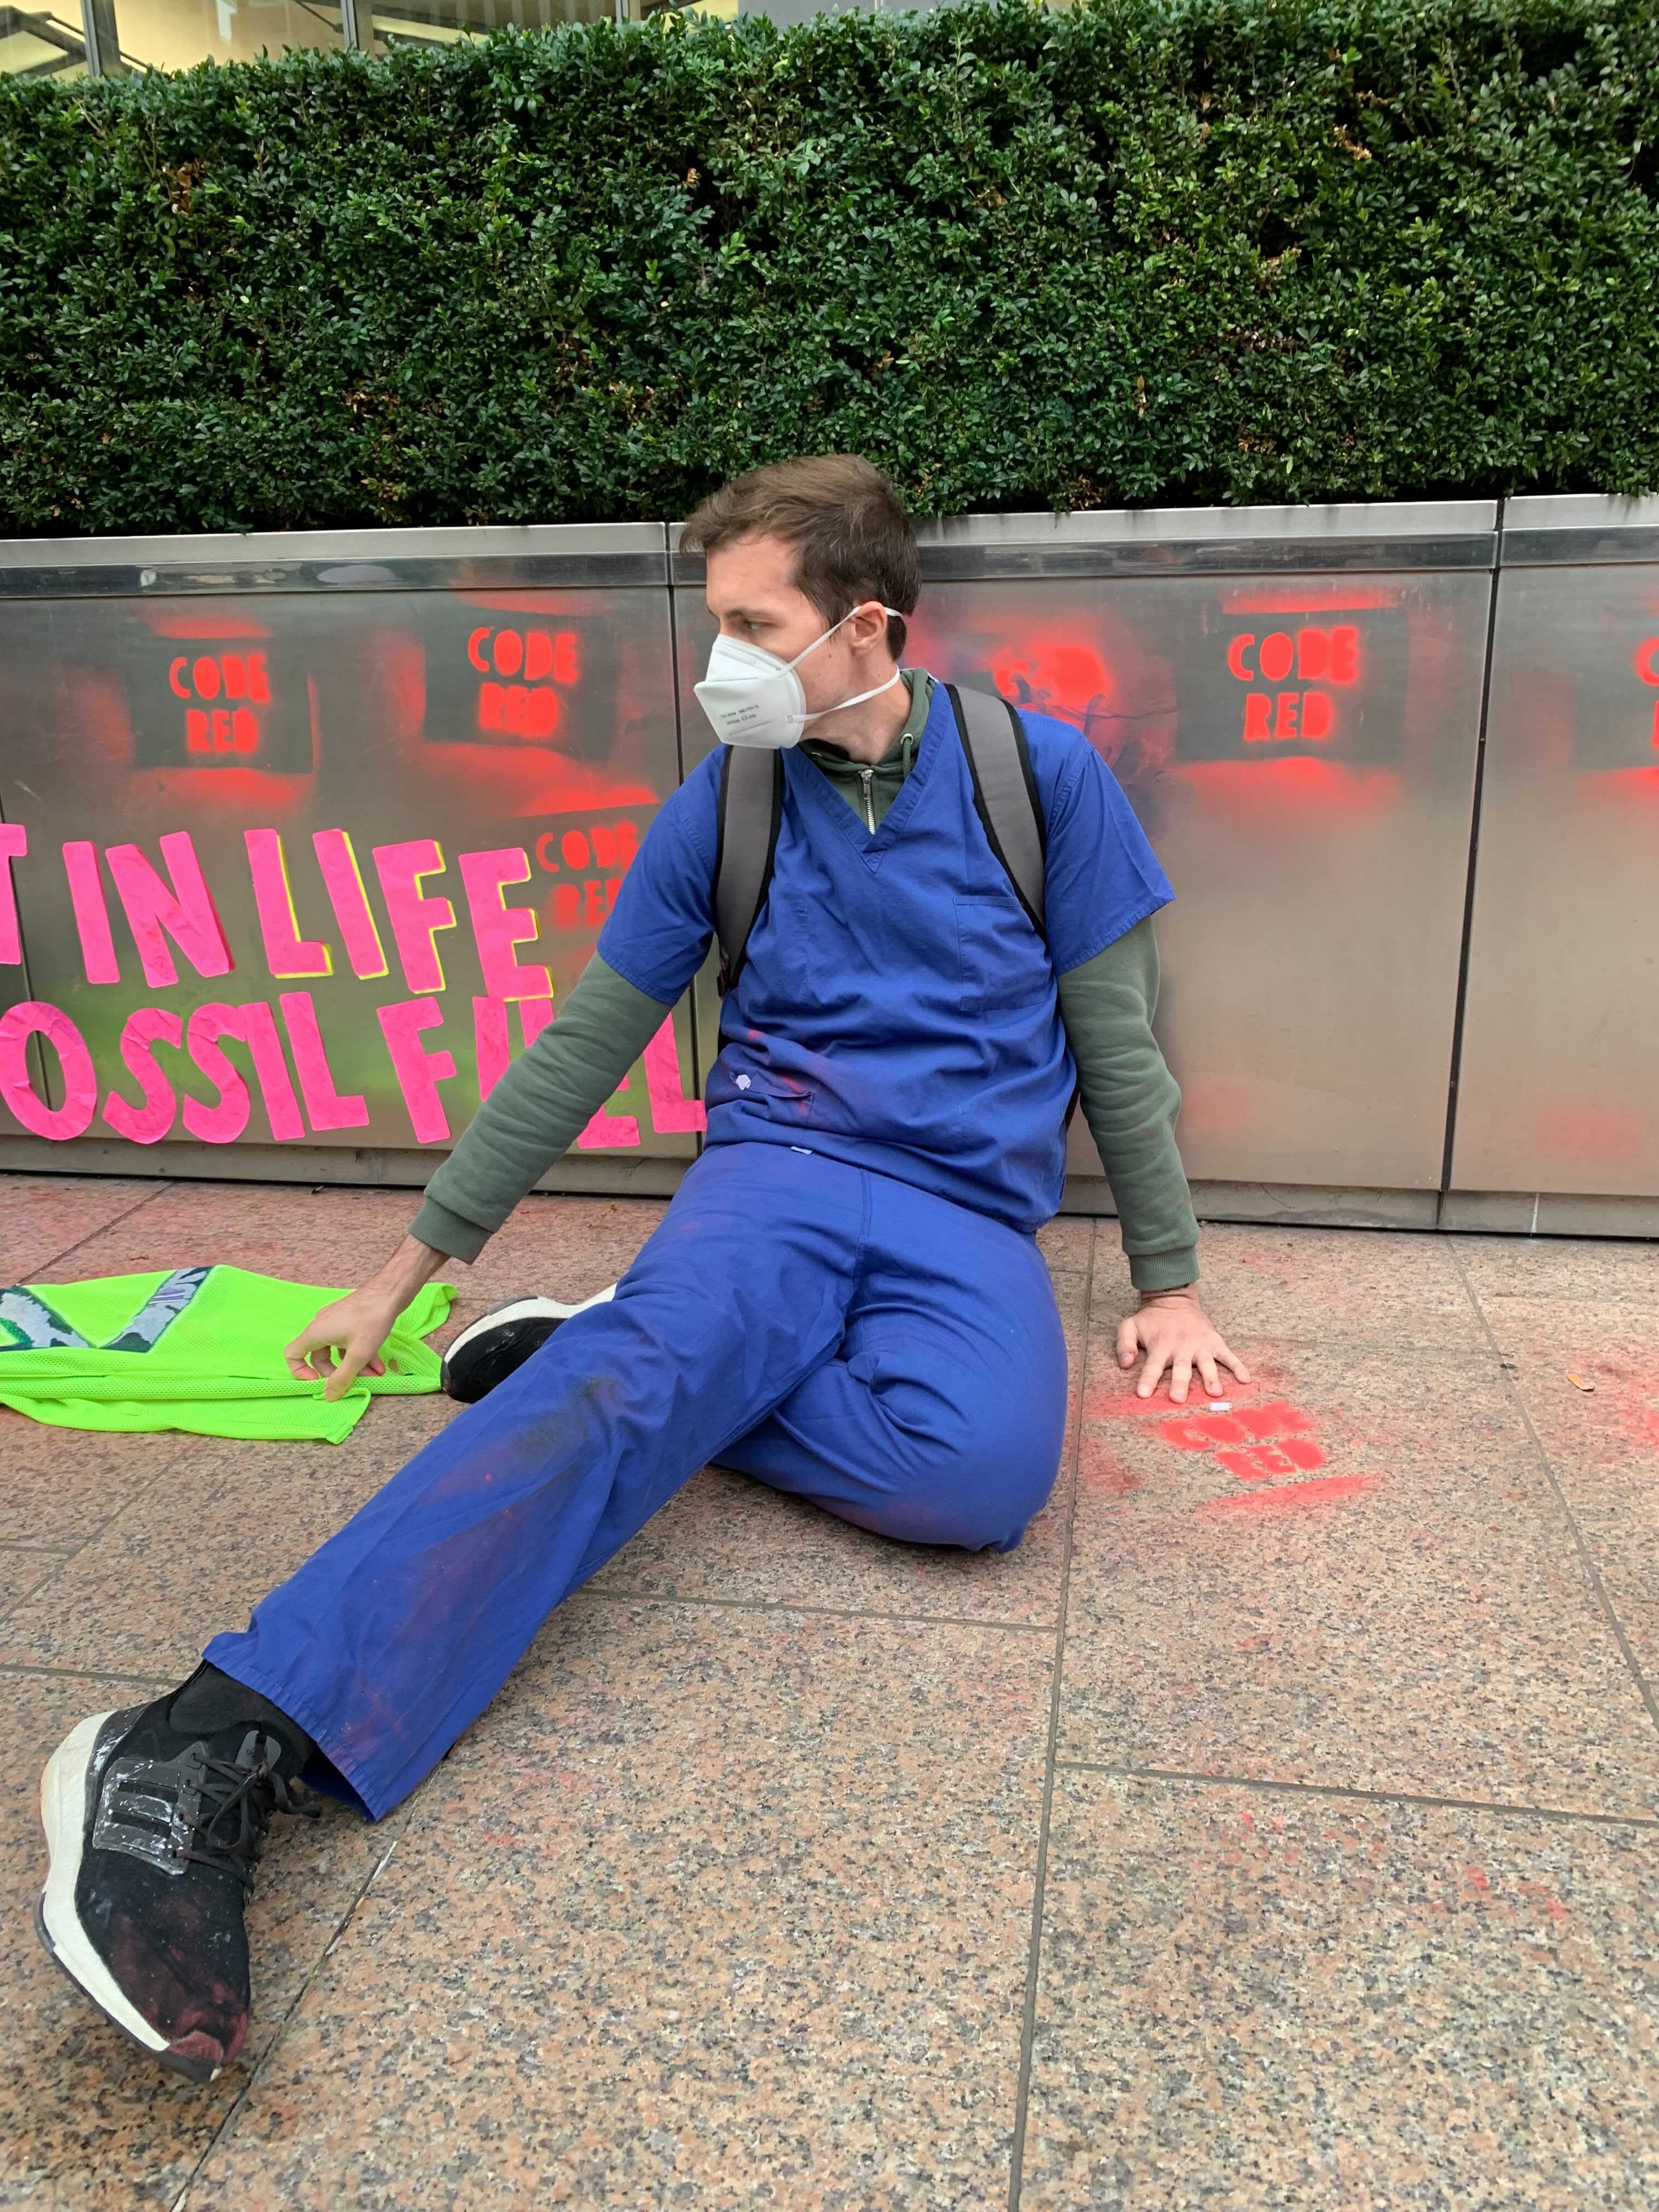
column 1005, row 791
column 750, row 808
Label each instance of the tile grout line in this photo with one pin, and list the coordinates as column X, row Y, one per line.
column 1644, row 1688
column 85, row 1675
column 162, row 1183
column 96, row 1528
column 804, row 1605
column 1351, row 1793
column 1034, row 1954
column 301, row 1994
column 50, row 1561
column 1439, row 1350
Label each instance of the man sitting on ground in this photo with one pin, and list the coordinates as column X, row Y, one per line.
column 844, row 1300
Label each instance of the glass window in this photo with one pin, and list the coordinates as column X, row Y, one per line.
column 708, row 11
column 176, row 34
column 443, row 22
column 45, row 41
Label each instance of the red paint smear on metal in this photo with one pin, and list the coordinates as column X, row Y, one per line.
column 246, row 793
column 1619, row 788
column 1326, row 600
column 1589, row 1131
column 1290, row 1497
column 1072, row 667
column 1268, row 788
column 552, row 605
column 202, row 622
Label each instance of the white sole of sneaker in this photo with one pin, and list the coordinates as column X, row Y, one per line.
column 525, row 1309
column 63, row 1816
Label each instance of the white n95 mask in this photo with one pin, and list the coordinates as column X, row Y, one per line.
column 753, row 698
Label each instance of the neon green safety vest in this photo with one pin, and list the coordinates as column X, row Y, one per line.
column 198, row 1349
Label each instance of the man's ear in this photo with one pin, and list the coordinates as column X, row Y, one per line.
column 869, row 624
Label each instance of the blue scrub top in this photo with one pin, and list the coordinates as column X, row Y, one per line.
column 897, row 1010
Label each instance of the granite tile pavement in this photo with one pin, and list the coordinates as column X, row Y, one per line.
column 1279, row 1827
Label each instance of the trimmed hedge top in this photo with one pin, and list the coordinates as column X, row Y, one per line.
column 1145, row 251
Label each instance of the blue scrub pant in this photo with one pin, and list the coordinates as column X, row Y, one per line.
column 884, row 1353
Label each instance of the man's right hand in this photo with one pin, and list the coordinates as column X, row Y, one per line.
column 344, row 1340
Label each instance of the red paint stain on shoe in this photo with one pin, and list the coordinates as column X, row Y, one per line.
column 1290, row 1497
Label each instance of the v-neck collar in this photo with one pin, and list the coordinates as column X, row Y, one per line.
column 871, row 845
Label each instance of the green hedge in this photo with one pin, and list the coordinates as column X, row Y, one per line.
column 1147, row 250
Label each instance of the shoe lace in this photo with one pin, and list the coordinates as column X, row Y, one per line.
column 252, row 1793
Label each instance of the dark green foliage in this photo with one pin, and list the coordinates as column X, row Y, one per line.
column 1148, row 250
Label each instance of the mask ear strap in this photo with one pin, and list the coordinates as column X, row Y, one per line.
column 892, row 612
column 857, row 699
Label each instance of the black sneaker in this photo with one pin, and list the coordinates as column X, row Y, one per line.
column 154, row 1837
column 500, row 1341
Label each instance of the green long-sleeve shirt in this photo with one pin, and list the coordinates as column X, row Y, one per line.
column 1129, row 1096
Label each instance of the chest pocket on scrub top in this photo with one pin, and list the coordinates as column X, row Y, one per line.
column 1004, row 961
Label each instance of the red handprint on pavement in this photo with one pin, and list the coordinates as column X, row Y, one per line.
column 1259, row 1445
column 1253, row 1444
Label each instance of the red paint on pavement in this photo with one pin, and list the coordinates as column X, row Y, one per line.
column 1255, row 1465
column 1290, row 1496
column 1246, row 1425
column 1260, row 1445
column 1254, row 1443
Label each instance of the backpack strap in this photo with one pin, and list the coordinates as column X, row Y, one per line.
column 1005, row 792
column 750, row 808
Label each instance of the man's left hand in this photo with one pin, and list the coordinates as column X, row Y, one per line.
column 1175, row 1331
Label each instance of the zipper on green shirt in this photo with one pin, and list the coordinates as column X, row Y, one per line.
column 871, row 791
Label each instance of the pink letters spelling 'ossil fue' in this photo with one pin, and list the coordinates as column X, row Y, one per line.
column 418, row 1071
column 281, row 1108
column 146, row 1124
column 673, row 1114
column 224, row 1121
column 490, row 1045
column 328, row 1108
column 619, row 1129
column 29, row 1017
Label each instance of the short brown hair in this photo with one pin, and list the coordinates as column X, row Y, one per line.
column 852, row 537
